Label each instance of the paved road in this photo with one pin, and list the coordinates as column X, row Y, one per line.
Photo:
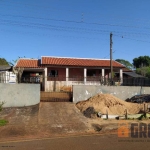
column 93, row 142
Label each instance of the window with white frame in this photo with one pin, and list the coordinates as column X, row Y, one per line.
column 53, row 73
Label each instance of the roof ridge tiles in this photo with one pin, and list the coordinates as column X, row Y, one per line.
column 75, row 58
column 66, row 61
column 29, row 58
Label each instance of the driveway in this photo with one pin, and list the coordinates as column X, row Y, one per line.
column 61, row 117
column 50, row 118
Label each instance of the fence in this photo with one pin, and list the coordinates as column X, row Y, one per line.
column 31, row 79
column 9, row 77
column 136, row 81
column 102, row 81
column 105, row 81
column 73, row 80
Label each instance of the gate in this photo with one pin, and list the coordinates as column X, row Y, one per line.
column 56, row 96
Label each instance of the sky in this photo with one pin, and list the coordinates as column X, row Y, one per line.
column 74, row 28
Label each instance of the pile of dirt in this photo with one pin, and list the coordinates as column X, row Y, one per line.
column 108, row 103
column 87, row 113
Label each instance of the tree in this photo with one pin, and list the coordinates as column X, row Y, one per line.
column 126, row 63
column 144, row 71
column 3, row 61
column 18, row 72
column 141, row 61
column 13, row 62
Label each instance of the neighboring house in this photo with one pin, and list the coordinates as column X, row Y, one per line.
column 6, row 75
column 55, row 73
column 131, row 78
column 127, row 73
column 5, row 68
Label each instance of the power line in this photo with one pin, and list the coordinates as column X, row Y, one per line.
column 132, row 39
column 109, row 54
column 62, row 28
column 73, row 10
column 39, row 25
column 66, row 28
column 77, row 22
column 50, row 35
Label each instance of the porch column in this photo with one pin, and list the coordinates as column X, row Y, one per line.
column 103, row 74
column 85, row 71
column 109, row 76
column 4, row 77
column 45, row 79
column 7, row 76
column 121, row 76
column 67, row 75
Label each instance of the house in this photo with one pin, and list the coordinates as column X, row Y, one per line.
column 6, row 74
column 127, row 74
column 131, row 74
column 56, row 73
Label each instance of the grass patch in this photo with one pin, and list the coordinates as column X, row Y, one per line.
column 3, row 122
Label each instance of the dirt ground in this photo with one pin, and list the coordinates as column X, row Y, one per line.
column 51, row 119
column 47, row 119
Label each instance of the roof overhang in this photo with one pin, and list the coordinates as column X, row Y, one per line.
column 133, row 74
column 5, row 68
column 34, row 69
column 88, row 67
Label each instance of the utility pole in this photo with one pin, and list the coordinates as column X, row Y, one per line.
column 111, row 66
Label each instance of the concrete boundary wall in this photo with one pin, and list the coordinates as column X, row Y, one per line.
column 19, row 95
column 83, row 92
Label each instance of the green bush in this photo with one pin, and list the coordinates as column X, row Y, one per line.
column 3, row 122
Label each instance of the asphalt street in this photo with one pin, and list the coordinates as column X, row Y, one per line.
column 87, row 142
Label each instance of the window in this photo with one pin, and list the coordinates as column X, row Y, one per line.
column 53, row 73
column 91, row 72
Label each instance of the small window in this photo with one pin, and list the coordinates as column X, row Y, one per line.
column 91, row 72
column 53, row 73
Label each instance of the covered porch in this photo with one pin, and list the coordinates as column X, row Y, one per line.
column 81, row 74
column 33, row 75
column 59, row 77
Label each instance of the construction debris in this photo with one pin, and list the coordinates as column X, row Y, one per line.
column 108, row 103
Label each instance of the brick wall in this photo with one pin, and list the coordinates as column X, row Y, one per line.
column 74, row 72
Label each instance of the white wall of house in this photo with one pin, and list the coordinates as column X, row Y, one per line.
column 62, row 85
column 7, row 77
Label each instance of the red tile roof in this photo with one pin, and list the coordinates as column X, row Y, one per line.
column 59, row 61
column 79, row 62
column 27, row 63
column 127, row 70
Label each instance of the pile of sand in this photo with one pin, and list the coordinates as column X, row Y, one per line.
column 107, row 102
